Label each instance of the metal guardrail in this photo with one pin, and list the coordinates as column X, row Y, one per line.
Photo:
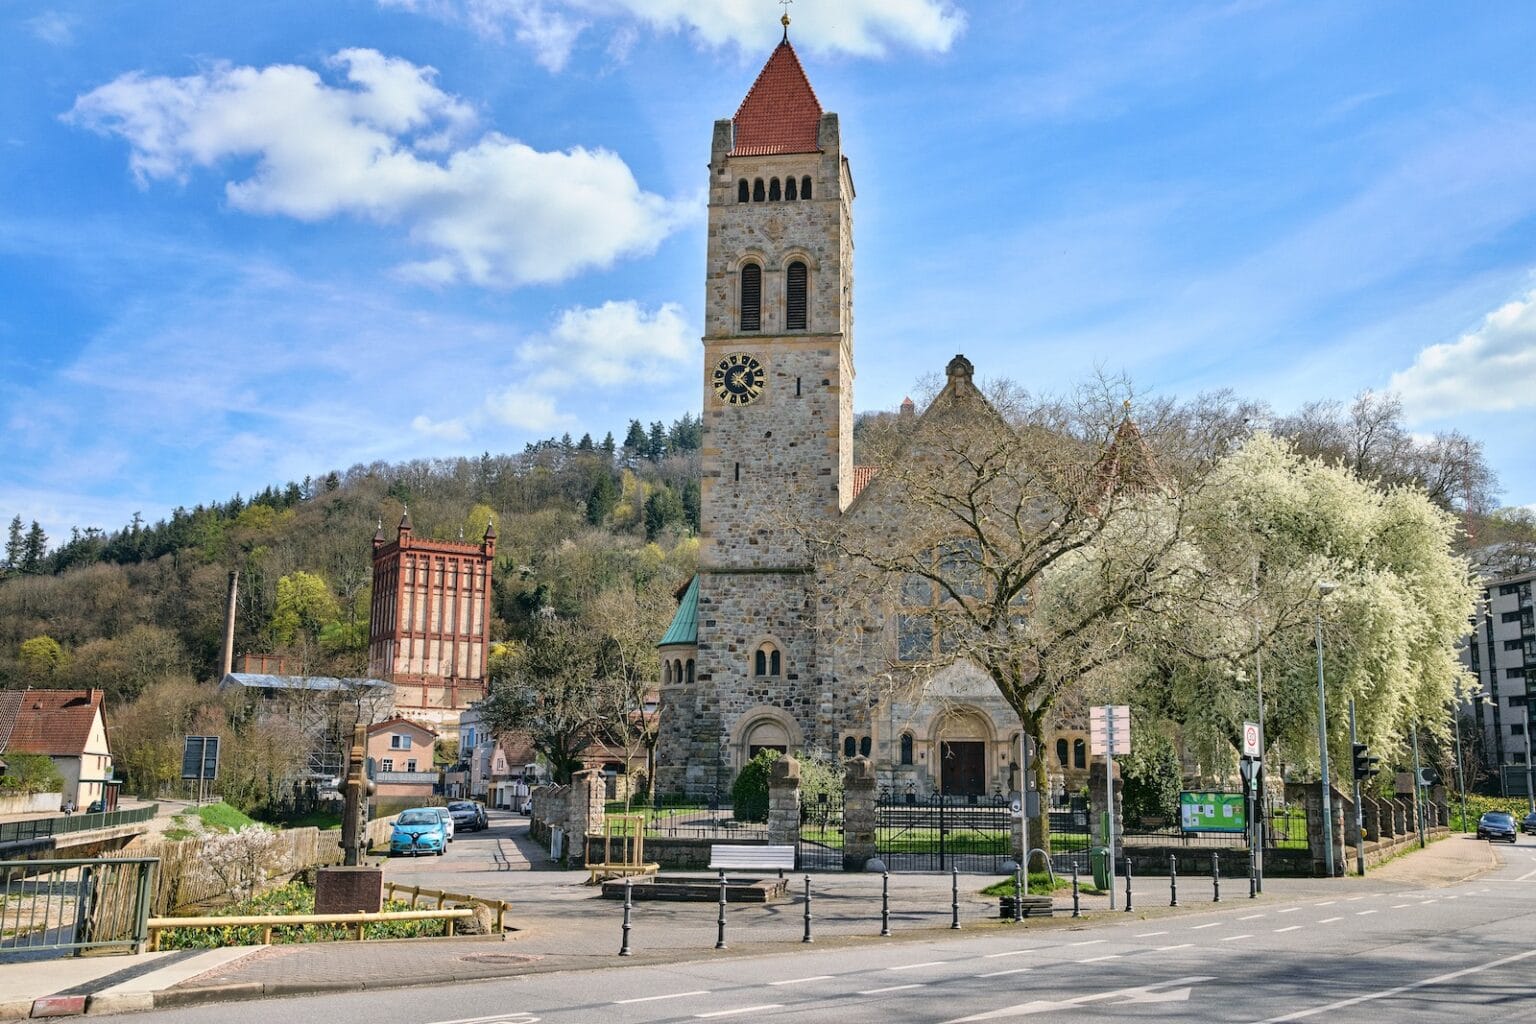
column 267, row 922
column 75, row 905
column 62, row 824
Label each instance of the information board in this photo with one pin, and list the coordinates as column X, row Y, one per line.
column 200, row 758
column 1212, row 812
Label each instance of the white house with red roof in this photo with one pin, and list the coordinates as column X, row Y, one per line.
column 69, row 728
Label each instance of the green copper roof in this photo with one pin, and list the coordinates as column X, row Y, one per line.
column 685, row 624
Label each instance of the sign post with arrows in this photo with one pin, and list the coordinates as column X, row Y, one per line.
column 1109, row 736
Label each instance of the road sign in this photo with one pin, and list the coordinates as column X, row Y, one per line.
column 1109, row 730
column 1251, row 740
column 1212, row 812
column 200, row 758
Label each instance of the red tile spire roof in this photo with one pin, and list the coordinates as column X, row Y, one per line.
column 781, row 113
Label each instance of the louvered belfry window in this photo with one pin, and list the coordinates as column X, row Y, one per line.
column 752, row 297
column 794, row 291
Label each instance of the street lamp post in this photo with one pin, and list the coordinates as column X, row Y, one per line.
column 1323, row 590
column 1461, row 771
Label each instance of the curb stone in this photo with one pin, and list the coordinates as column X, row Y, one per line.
column 16, row 1009
column 58, row 1006
column 209, row 993
column 119, row 1002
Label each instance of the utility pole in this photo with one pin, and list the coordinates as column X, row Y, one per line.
column 1258, row 767
column 1418, row 785
column 1461, row 773
column 1359, row 813
column 1324, row 589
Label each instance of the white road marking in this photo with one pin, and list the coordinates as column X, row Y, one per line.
column 1400, row 906
column 1234, row 938
column 1213, row 924
column 888, row 988
column 512, row 1017
column 1292, row 928
column 1250, row 917
column 1148, row 935
column 1325, row 903
column 1164, row 949
column 1096, row 959
column 652, row 999
column 1354, row 898
column 925, row 963
column 1425, row 903
column 999, row 974
column 1330, row 920
column 1287, row 910
column 744, row 1009
column 1522, row 878
column 1087, row 942
column 1011, row 952
column 796, row 981
column 1362, row 913
column 1175, row 991
column 1399, row 990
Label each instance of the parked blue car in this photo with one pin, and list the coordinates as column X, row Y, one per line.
column 417, row 831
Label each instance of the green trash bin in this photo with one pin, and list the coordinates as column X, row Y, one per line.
column 1098, row 859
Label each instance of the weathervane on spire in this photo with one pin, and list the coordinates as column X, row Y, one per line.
column 785, row 19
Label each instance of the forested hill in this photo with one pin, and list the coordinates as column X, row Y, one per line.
column 123, row 609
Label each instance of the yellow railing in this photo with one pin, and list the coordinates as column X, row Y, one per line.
column 395, row 891
column 266, row 922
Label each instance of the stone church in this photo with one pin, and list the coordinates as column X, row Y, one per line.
column 747, row 664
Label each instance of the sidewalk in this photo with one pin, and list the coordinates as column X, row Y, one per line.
column 562, row 924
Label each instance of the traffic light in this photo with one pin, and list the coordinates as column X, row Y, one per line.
column 1429, row 778
column 1365, row 765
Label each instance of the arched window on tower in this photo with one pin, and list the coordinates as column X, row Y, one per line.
column 766, row 662
column 757, row 190
column 791, row 193
column 666, row 673
column 743, row 191
column 1061, row 752
column 751, row 297
column 690, row 672
column 794, row 297
column 906, row 748
column 774, row 195
column 805, row 187
column 866, row 744
column 1079, row 754
column 850, row 746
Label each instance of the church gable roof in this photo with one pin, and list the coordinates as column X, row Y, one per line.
column 781, row 113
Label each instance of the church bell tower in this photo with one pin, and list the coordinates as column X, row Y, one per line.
column 778, row 430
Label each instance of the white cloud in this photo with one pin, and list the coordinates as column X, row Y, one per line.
column 866, row 28
column 447, row 430
column 617, row 343
column 388, row 145
column 1489, row 369
column 53, row 27
column 527, row 409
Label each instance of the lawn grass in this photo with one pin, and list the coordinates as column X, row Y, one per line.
column 221, row 817
column 1039, row 883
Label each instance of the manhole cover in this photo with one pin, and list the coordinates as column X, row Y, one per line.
column 499, row 958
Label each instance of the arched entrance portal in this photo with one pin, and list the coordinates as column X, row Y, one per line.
column 964, row 737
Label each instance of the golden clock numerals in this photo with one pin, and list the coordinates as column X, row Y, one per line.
column 738, row 378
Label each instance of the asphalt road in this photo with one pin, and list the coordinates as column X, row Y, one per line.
column 1463, row 953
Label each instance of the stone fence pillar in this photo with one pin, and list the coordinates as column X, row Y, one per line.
column 784, row 802
column 1310, row 795
column 1097, row 806
column 584, row 817
column 1372, row 811
column 1440, row 798
column 860, row 809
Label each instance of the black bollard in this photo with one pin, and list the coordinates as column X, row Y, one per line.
column 1253, row 880
column 1173, row 880
column 807, row 936
column 720, row 932
column 628, row 905
column 1077, row 907
column 1127, row 884
column 885, row 904
column 1216, row 876
column 954, row 899
column 1018, row 896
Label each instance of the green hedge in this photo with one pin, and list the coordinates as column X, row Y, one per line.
column 293, row 898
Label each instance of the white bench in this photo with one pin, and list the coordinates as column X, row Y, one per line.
column 725, row 857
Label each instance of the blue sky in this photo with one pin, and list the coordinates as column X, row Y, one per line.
column 240, row 244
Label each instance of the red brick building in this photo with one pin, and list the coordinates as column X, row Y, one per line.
column 427, row 629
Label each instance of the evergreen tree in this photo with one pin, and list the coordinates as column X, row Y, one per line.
column 585, row 444
column 656, row 443
column 34, row 549
column 601, row 501
column 635, row 442
column 691, row 499
column 14, row 545
column 662, row 509
column 608, row 446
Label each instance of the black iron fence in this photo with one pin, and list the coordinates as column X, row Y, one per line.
column 937, row 833
column 821, row 832
column 42, row 828
column 53, row 906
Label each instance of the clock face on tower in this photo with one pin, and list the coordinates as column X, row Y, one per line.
column 738, row 378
